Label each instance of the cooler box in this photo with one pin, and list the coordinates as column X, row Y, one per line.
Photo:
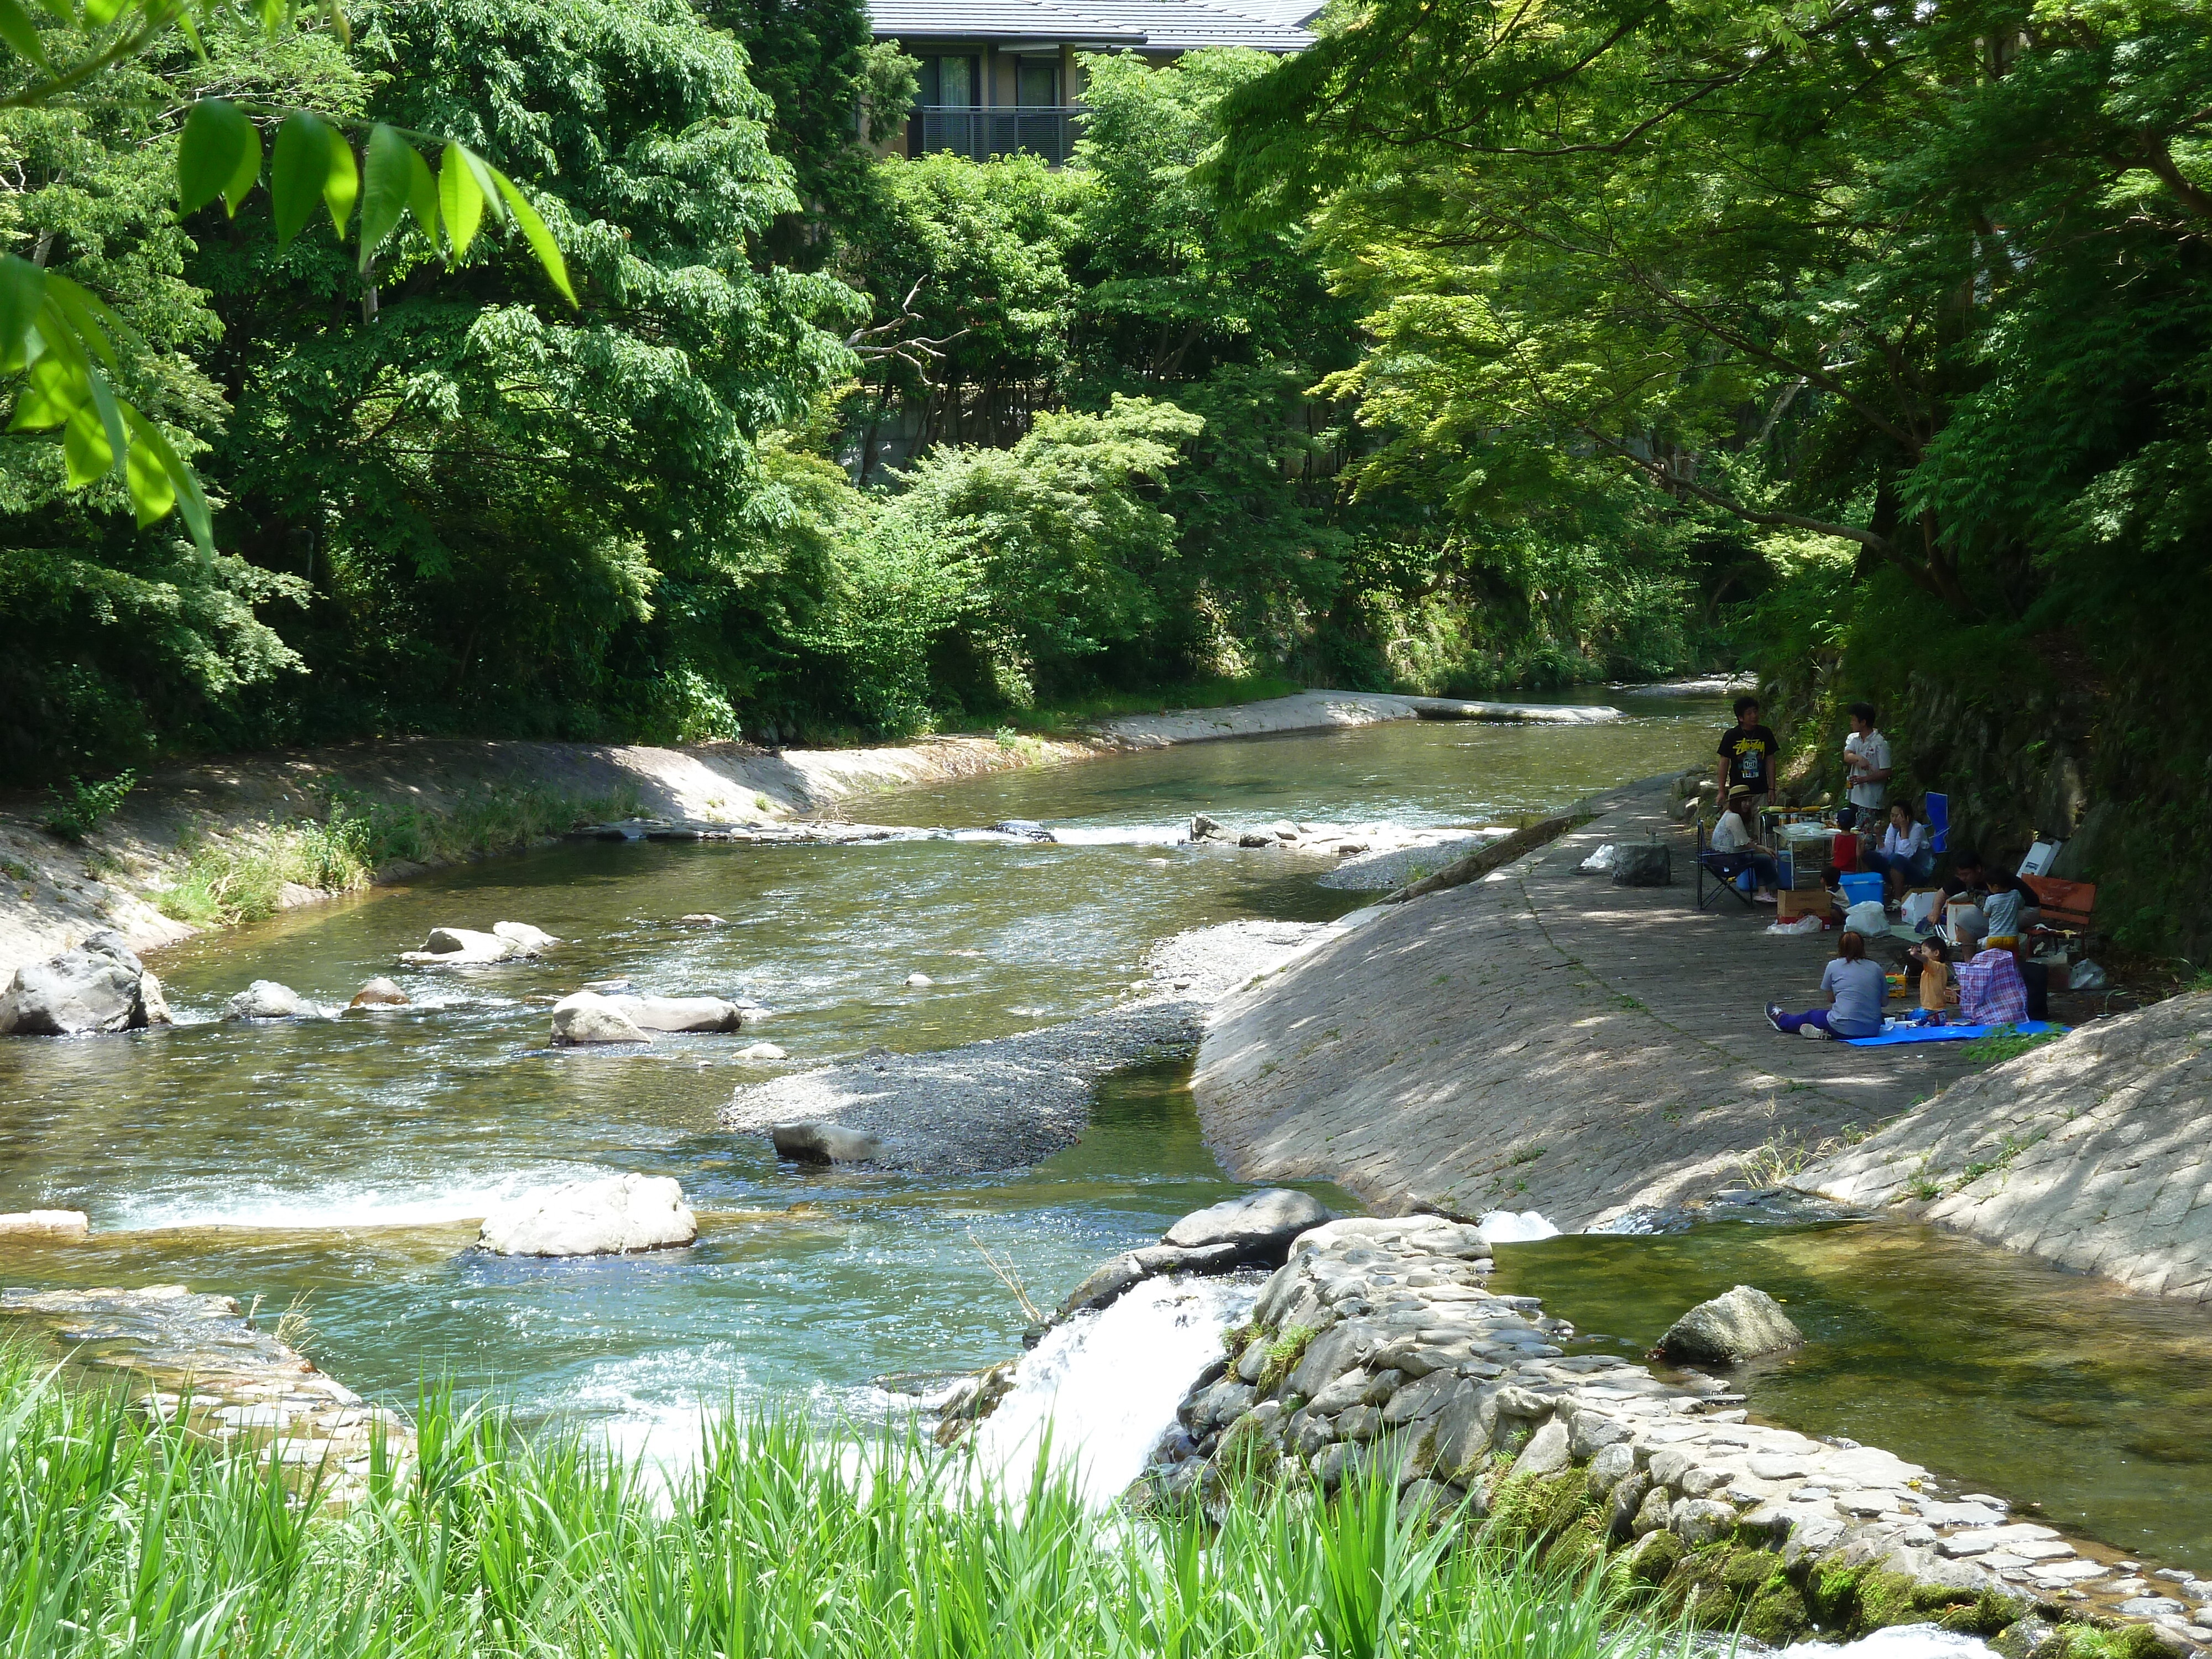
column 1860, row 890
column 1844, row 850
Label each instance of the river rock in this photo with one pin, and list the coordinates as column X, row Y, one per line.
column 263, row 999
column 1259, row 1224
column 45, row 1223
column 100, row 986
column 587, row 1016
column 823, row 1142
column 607, row 1217
column 1731, row 1328
column 680, row 1013
column 461, row 947
column 1106, row 1284
column 1642, row 864
column 919, row 979
column 1027, row 828
column 379, row 994
column 527, row 940
column 762, row 1051
column 702, row 919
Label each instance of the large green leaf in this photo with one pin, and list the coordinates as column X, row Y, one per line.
column 88, row 319
column 20, row 34
column 314, row 162
column 219, row 154
column 159, row 480
column 22, row 292
column 460, row 199
column 541, row 240
column 54, row 389
column 387, row 184
column 85, row 446
column 101, row 13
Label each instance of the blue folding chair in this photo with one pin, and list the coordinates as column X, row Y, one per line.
column 1939, row 822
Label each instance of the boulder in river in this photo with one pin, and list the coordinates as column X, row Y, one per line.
column 1259, row 1224
column 1736, row 1325
column 587, row 1016
column 379, row 994
column 813, row 1142
column 1027, row 828
column 461, row 947
column 762, row 1051
column 918, row 979
column 701, row 918
column 45, row 1223
column 680, row 1013
column 263, row 999
column 527, row 940
column 100, row 986
column 1110, row 1280
column 607, row 1217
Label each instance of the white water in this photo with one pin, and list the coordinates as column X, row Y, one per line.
column 1505, row 1227
column 333, row 1204
column 1898, row 1642
column 1106, row 1385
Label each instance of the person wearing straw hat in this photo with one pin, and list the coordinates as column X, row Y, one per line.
column 1740, row 850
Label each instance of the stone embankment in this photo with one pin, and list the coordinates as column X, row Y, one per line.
column 1533, row 1037
column 52, row 893
column 1376, row 1352
column 2094, row 1151
column 200, row 1361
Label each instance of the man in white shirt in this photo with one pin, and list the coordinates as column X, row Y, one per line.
column 1866, row 759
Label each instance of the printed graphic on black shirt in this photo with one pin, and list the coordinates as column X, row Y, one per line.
column 1750, row 756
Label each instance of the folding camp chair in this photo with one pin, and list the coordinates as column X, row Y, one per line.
column 1939, row 823
column 1717, row 866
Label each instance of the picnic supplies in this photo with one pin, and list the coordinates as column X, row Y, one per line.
column 1860, row 889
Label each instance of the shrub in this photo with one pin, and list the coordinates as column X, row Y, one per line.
column 76, row 812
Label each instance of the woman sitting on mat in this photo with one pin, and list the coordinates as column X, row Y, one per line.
column 1856, row 987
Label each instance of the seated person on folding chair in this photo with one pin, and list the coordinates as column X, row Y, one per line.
column 1734, row 850
column 1905, row 858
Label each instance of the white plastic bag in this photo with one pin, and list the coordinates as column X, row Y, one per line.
column 1599, row 863
column 1795, row 929
column 1919, row 907
column 1868, row 919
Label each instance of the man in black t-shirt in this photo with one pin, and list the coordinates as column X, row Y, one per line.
column 1748, row 752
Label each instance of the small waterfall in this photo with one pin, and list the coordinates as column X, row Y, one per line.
column 1898, row 1642
column 1108, row 1383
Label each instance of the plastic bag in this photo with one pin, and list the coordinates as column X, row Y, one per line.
column 1795, row 929
column 2086, row 976
column 1868, row 919
column 1599, row 863
column 1920, row 908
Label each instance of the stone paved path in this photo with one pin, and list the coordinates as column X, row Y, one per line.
column 1541, row 1039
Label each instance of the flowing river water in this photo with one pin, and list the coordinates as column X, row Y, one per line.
column 335, row 1161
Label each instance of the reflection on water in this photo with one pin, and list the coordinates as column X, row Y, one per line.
column 1991, row 1368
column 385, row 1132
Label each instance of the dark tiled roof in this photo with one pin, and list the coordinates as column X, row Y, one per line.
column 1161, row 25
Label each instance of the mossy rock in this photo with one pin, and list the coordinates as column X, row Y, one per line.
column 1540, row 1511
column 1654, row 1557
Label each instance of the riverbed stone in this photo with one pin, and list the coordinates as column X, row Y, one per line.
column 45, row 1223
column 379, row 994
column 264, row 1000
column 762, row 1051
column 461, row 947
column 100, row 986
column 680, row 1013
column 612, row 1216
column 586, row 1017
column 825, row 1143
column 1260, row 1224
column 527, row 940
column 1738, row 1325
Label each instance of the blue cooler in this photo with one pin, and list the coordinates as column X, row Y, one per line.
column 1860, row 889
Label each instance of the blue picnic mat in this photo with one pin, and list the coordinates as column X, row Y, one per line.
column 1896, row 1033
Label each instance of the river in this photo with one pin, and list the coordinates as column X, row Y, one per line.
column 333, row 1162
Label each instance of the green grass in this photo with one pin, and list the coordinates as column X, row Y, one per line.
column 1070, row 715
column 129, row 1542
column 238, row 877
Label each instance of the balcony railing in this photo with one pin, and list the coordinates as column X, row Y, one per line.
column 1048, row 132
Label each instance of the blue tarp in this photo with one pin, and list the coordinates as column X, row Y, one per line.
column 1897, row 1033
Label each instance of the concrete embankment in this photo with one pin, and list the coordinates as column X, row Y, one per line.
column 1541, row 1038
column 2094, row 1151
column 54, row 893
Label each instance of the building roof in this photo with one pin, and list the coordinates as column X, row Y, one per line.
column 1154, row 25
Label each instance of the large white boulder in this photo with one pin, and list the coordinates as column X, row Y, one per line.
column 379, row 993
column 587, row 1016
column 47, row 1223
column 1259, row 1224
column 461, row 947
column 606, row 1217
column 1735, row 1326
column 680, row 1013
column 100, row 986
column 263, row 999
column 527, row 940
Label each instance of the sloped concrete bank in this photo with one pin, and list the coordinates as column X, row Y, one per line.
column 1375, row 1352
column 2094, row 1151
column 1538, row 1038
column 52, row 893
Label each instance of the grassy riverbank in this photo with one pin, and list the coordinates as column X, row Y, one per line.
column 118, row 1540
